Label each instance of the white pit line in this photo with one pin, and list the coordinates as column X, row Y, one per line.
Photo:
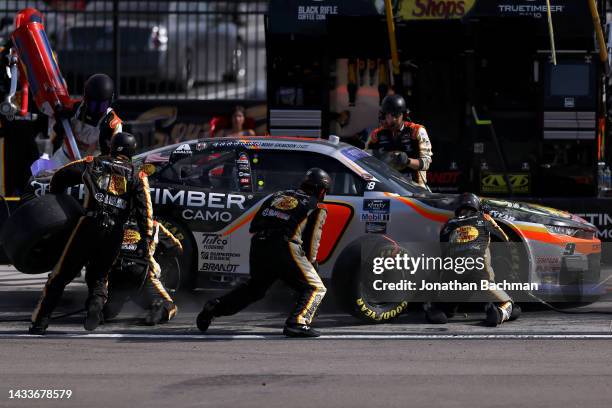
column 204, row 337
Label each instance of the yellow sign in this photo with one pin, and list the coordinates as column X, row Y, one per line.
column 434, row 9
column 495, row 183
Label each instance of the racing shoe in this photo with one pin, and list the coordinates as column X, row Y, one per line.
column 516, row 312
column 94, row 316
column 206, row 316
column 496, row 315
column 155, row 314
column 300, row 330
column 435, row 315
column 39, row 327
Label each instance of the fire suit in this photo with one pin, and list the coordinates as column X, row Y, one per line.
column 470, row 237
column 287, row 232
column 114, row 190
column 411, row 139
column 91, row 134
column 137, row 277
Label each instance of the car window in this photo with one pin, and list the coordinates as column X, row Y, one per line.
column 278, row 170
column 396, row 181
column 211, row 169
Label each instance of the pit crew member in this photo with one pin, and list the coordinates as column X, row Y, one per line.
column 113, row 190
column 468, row 235
column 92, row 120
column 287, row 231
column 403, row 144
column 137, row 277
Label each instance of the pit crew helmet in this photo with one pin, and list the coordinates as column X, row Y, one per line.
column 316, row 182
column 98, row 94
column 123, row 144
column 468, row 200
column 394, row 104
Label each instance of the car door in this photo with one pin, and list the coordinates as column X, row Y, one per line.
column 204, row 189
column 274, row 170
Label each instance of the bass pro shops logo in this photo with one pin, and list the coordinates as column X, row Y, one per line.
column 435, row 9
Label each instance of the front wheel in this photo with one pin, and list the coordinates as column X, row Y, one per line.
column 352, row 282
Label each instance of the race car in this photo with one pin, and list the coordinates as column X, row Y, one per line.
column 207, row 191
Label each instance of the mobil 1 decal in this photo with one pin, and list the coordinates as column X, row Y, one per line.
column 217, row 253
column 376, row 210
column 201, row 209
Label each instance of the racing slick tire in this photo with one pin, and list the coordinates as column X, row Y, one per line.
column 352, row 275
column 35, row 235
column 177, row 269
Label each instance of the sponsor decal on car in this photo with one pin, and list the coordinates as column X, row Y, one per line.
column 183, row 150
column 376, row 228
column 354, row 153
column 376, row 210
column 213, row 267
column 187, row 198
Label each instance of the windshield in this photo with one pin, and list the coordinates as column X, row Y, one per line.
column 397, row 182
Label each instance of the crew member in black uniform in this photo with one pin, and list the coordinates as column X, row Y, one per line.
column 114, row 190
column 136, row 277
column 468, row 235
column 287, row 231
column 403, row 144
column 93, row 120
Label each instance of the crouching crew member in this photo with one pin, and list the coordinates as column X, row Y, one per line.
column 136, row 276
column 114, row 190
column 404, row 145
column 468, row 235
column 287, row 231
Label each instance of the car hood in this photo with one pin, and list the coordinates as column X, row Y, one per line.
column 510, row 211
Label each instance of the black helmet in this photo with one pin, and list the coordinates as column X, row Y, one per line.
column 316, row 182
column 98, row 94
column 393, row 104
column 123, row 144
column 99, row 87
column 468, row 200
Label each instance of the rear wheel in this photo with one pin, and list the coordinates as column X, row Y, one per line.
column 177, row 269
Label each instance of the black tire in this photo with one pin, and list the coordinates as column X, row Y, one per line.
column 351, row 275
column 183, row 276
column 35, row 235
column 171, row 270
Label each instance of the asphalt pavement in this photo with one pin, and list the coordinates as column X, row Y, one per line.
column 543, row 359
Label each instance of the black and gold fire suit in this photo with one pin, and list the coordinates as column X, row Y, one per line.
column 136, row 276
column 411, row 139
column 287, row 232
column 114, row 190
column 470, row 237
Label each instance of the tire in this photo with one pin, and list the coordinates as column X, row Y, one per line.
column 171, row 271
column 34, row 237
column 181, row 273
column 351, row 276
